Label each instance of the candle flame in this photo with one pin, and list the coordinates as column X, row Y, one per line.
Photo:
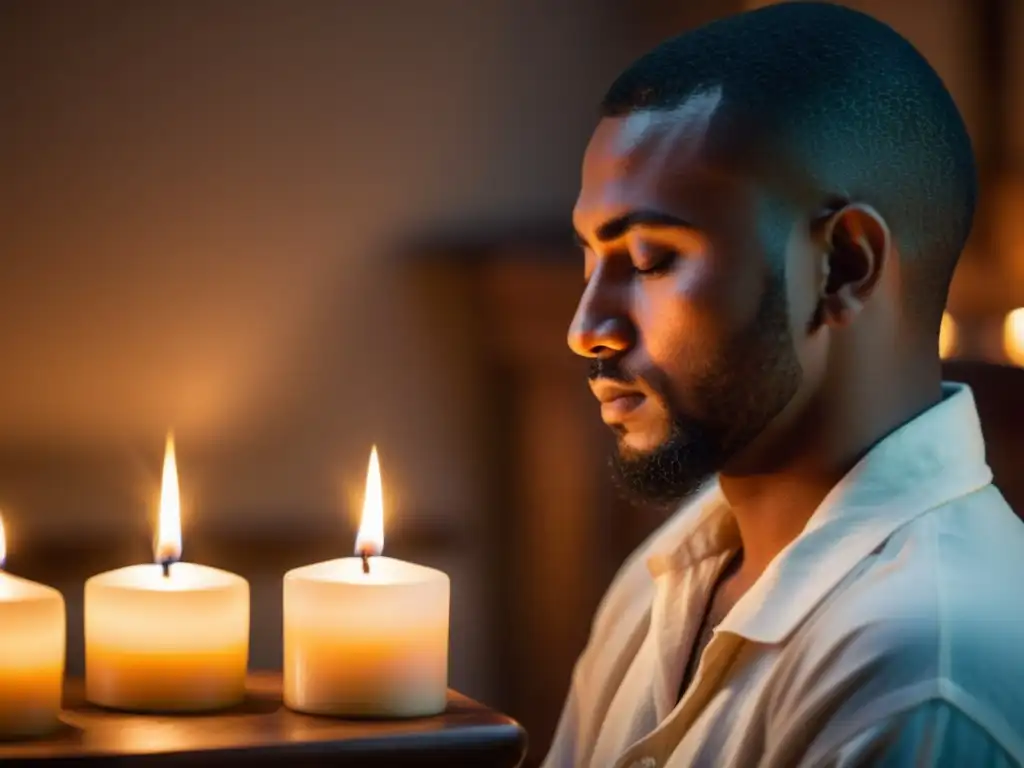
column 370, row 540
column 168, row 538
column 3, row 543
column 948, row 336
column 1013, row 336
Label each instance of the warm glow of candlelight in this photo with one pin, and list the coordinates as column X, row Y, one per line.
column 370, row 539
column 33, row 636
column 3, row 543
column 168, row 538
column 366, row 636
column 948, row 336
column 170, row 637
column 1013, row 336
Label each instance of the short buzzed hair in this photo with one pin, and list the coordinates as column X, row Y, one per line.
column 856, row 107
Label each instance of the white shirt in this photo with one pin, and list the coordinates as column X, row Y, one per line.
column 890, row 632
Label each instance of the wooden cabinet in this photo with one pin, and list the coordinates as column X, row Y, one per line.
column 556, row 530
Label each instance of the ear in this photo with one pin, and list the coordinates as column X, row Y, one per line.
column 857, row 245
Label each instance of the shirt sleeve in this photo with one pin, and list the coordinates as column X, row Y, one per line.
column 934, row 734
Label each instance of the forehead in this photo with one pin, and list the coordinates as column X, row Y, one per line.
column 641, row 158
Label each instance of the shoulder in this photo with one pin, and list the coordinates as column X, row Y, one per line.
column 936, row 613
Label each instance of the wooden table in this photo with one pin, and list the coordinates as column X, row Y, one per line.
column 262, row 732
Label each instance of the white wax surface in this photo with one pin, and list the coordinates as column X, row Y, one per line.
column 166, row 644
column 32, row 639
column 359, row 644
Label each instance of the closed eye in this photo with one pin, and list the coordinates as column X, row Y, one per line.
column 655, row 263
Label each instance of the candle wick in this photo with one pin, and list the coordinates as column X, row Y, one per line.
column 366, row 561
column 166, row 565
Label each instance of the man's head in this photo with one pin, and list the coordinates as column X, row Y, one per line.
column 771, row 206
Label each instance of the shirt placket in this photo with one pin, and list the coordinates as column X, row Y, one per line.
column 677, row 611
column 668, row 740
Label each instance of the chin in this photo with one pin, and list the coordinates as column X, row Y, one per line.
column 639, row 445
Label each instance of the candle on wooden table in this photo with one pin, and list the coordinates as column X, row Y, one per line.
column 168, row 636
column 32, row 635
column 366, row 636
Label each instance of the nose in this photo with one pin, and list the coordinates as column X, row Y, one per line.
column 599, row 329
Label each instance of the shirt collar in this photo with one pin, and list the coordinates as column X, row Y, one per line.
column 936, row 457
column 703, row 528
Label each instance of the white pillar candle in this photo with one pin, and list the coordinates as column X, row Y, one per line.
column 32, row 635
column 175, row 643
column 169, row 636
column 366, row 636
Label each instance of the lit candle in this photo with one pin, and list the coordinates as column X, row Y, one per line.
column 366, row 636
column 170, row 636
column 32, row 632
column 1013, row 336
column 949, row 336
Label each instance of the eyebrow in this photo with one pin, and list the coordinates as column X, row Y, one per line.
column 620, row 225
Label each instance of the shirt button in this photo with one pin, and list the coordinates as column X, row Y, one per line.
column 644, row 762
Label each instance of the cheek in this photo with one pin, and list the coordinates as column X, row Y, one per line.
column 684, row 317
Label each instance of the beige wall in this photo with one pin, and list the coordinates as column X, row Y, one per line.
column 197, row 206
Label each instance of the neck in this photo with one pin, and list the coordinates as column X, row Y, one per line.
column 811, row 451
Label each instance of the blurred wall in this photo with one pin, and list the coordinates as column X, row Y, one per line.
column 198, row 209
column 197, row 203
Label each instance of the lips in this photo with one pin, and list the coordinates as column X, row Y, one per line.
column 618, row 408
column 617, row 400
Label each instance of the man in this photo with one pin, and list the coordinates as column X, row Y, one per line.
column 771, row 210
